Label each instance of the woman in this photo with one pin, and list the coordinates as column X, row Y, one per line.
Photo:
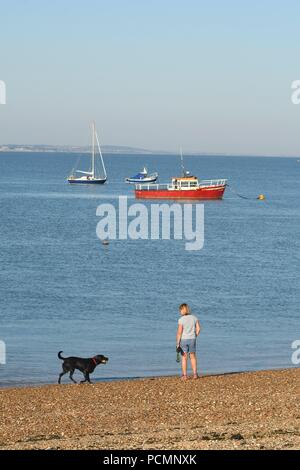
column 188, row 330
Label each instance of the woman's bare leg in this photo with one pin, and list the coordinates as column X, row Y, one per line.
column 184, row 364
column 193, row 359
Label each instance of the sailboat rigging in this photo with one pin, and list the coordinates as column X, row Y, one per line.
column 94, row 176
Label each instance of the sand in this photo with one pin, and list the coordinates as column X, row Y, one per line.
column 258, row 410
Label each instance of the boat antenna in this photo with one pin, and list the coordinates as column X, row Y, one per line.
column 184, row 171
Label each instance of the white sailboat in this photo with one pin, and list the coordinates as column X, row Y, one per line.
column 94, row 175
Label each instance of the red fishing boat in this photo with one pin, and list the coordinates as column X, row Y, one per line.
column 185, row 187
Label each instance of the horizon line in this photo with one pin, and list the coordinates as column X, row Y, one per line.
column 117, row 149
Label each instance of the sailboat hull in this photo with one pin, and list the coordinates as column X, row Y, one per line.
column 86, row 181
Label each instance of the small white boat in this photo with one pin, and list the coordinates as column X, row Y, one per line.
column 143, row 177
column 95, row 175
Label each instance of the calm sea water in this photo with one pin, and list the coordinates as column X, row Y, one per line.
column 62, row 290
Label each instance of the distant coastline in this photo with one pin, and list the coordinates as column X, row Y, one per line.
column 72, row 149
column 118, row 150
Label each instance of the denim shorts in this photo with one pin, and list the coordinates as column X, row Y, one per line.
column 188, row 345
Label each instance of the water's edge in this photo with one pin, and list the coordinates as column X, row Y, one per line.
column 139, row 378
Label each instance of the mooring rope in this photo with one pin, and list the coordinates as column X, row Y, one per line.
column 261, row 197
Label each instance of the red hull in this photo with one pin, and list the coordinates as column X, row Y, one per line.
column 215, row 192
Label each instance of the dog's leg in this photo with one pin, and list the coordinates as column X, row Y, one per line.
column 60, row 376
column 83, row 381
column 86, row 378
column 71, row 376
column 65, row 371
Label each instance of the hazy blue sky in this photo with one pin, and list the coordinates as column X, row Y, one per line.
column 212, row 76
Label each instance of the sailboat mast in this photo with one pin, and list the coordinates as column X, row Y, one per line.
column 101, row 156
column 93, row 150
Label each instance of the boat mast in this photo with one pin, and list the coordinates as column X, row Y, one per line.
column 99, row 148
column 93, row 149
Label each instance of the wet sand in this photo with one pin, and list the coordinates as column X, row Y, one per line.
column 257, row 410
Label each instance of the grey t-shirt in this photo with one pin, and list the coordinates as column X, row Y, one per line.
column 189, row 326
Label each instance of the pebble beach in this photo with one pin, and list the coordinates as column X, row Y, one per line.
column 257, row 410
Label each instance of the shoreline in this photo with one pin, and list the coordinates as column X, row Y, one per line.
column 98, row 381
column 243, row 410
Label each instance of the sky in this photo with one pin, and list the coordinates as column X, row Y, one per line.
column 210, row 76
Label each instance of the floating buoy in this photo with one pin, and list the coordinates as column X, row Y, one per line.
column 261, row 197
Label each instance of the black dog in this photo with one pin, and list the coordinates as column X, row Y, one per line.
column 86, row 366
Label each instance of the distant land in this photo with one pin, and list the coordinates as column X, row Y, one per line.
column 117, row 150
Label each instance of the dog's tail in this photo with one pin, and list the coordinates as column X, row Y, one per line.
column 60, row 356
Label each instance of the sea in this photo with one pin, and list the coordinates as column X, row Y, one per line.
column 62, row 289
